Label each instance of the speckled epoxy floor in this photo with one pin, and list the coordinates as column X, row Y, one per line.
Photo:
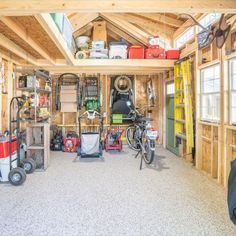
column 112, row 197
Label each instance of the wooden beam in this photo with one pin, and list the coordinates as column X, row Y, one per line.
column 78, row 21
column 162, row 18
column 83, row 30
column 8, row 58
column 127, row 27
column 50, row 27
column 187, row 24
column 122, row 34
column 154, row 28
column 32, row 7
column 21, row 32
column 11, row 46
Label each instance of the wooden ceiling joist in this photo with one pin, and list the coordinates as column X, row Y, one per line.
column 48, row 24
column 162, row 18
column 6, row 43
column 24, row 36
column 78, row 21
column 29, row 7
column 127, row 27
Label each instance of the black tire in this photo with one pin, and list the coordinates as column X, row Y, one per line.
column 29, row 165
column 149, row 155
column 130, row 133
column 17, row 176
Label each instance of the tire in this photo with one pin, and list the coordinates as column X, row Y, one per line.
column 17, row 176
column 149, row 155
column 130, row 133
column 29, row 165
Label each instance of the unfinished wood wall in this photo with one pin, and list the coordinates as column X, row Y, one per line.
column 6, row 93
column 141, row 99
column 215, row 142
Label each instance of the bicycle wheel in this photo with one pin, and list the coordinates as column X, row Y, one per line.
column 149, row 146
column 131, row 137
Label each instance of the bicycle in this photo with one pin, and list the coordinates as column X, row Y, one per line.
column 141, row 137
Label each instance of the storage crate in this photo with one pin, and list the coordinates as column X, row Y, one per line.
column 4, row 147
column 136, row 52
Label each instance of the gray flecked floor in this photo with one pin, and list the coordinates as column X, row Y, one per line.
column 113, row 197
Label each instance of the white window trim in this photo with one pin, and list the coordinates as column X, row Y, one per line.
column 230, row 92
column 211, row 93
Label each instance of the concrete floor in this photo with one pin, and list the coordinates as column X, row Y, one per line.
column 113, row 197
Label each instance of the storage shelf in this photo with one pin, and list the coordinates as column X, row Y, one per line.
column 32, row 90
column 36, row 147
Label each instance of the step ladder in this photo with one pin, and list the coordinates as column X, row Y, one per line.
column 183, row 105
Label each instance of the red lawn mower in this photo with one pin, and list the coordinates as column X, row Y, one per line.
column 70, row 142
column 113, row 139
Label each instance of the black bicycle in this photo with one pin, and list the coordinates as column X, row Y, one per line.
column 141, row 137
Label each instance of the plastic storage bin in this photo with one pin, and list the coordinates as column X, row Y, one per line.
column 136, row 52
column 4, row 147
column 173, row 54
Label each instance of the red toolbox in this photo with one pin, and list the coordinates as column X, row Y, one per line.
column 155, row 53
column 136, row 52
column 173, row 54
column 4, row 147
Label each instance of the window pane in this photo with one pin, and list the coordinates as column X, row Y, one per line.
column 233, row 115
column 233, row 99
column 170, row 88
column 210, row 93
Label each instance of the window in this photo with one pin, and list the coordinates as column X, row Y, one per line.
column 208, row 20
column 232, row 68
column 210, row 93
column 185, row 37
column 170, row 88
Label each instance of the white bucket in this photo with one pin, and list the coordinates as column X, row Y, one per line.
column 5, row 167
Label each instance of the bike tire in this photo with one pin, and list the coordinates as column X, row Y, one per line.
column 150, row 154
column 128, row 138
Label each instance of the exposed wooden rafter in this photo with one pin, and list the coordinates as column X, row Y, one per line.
column 11, row 46
column 154, row 28
column 16, row 7
column 78, row 21
column 21, row 32
column 121, row 34
column 127, row 27
column 162, row 18
column 48, row 24
column 83, row 30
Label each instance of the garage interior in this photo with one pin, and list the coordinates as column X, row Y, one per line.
column 74, row 73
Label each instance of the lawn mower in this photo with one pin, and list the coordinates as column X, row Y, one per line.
column 70, row 142
column 90, row 142
column 113, row 139
column 56, row 142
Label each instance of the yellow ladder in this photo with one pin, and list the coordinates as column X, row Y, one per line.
column 183, row 104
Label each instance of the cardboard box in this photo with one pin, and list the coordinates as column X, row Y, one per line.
column 68, row 107
column 100, row 31
column 68, row 96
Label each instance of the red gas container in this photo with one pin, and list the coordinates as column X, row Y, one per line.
column 4, row 148
column 155, row 53
column 173, row 54
column 136, row 52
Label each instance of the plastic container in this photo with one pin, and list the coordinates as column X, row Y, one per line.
column 4, row 147
column 154, row 42
column 173, row 54
column 5, row 167
column 136, row 52
column 155, row 53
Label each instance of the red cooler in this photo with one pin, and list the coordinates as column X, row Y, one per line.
column 136, row 52
column 173, row 54
column 155, row 53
